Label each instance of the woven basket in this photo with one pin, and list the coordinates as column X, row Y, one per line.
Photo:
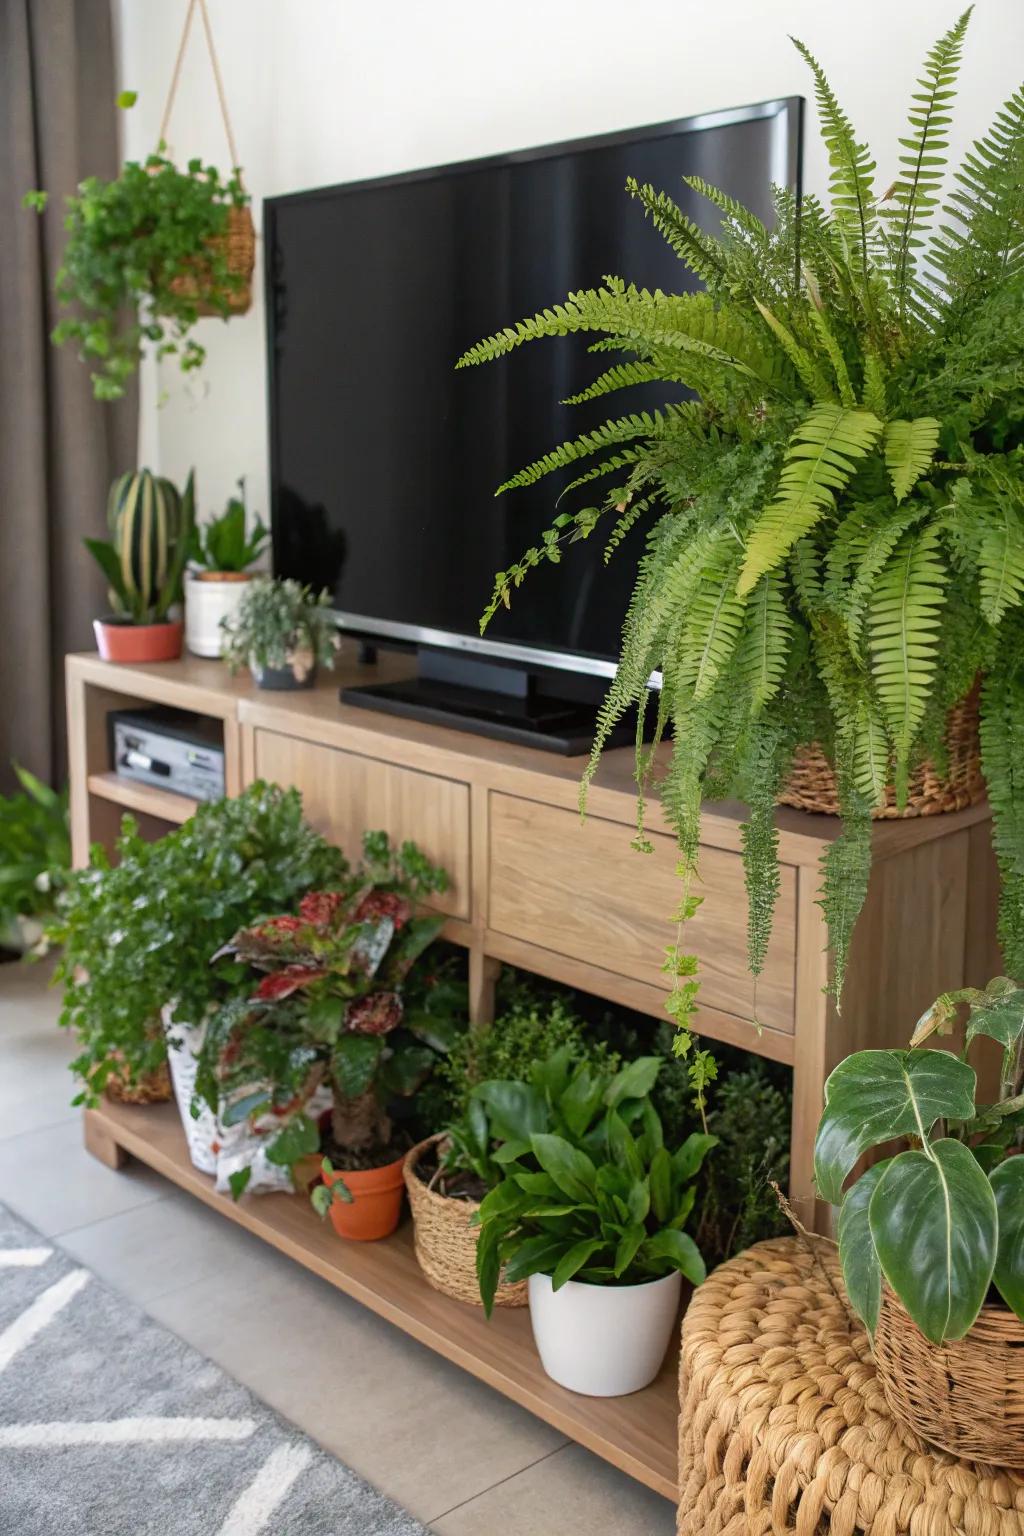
column 238, row 244
column 966, row 1398
column 445, row 1242
column 150, row 1088
column 811, row 785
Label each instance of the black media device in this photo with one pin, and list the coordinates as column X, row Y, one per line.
column 384, row 459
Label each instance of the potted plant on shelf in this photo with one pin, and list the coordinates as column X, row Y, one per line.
column 282, row 632
column 35, row 858
column 137, row 929
column 832, row 499
column 143, row 561
column 330, row 1007
column 159, row 245
column 591, row 1210
column 222, row 552
column 931, row 1238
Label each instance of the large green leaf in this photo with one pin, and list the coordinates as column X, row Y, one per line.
column 570, row 1168
column 635, row 1081
column 875, row 1096
column 862, row 1273
column 299, row 1138
column 1002, row 1020
column 354, row 1062
column 574, row 1260
column 581, row 1100
column 1008, row 1187
column 534, row 1256
column 517, row 1110
column 678, row 1250
column 687, row 1160
column 934, row 1225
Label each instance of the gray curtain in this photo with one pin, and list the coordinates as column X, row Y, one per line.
column 59, row 448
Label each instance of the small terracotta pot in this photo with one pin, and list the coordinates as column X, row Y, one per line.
column 134, row 643
column 376, row 1202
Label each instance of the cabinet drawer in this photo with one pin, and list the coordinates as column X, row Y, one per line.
column 581, row 890
column 345, row 794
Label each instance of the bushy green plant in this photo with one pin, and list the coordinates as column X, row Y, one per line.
column 277, row 619
column 151, row 529
column 751, row 1117
column 223, row 544
column 589, row 1189
column 836, row 521
column 130, row 243
column 942, row 1216
column 35, row 853
column 138, row 930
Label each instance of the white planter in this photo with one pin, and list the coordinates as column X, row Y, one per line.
column 603, row 1340
column 207, row 601
column 201, row 1133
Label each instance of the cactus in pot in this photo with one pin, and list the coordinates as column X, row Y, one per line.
column 143, row 560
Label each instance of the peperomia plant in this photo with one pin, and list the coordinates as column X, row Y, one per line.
column 941, row 1218
column 589, row 1189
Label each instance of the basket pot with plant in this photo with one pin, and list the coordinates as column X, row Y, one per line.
column 330, row 1007
column 143, row 560
column 222, row 552
column 931, row 1237
column 590, row 1209
column 828, row 500
column 281, row 632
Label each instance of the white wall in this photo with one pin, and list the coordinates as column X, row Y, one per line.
column 322, row 91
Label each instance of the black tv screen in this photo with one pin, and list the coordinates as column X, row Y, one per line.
column 384, row 459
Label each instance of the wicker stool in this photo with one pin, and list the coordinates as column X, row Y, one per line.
column 784, row 1430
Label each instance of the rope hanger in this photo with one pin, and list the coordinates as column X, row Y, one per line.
column 176, row 76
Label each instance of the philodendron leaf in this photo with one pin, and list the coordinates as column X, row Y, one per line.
column 862, row 1273
column 1008, row 1187
column 1002, row 1020
column 934, row 1225
column 876, row 1096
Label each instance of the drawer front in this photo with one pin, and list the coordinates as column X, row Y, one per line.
column 581, row 890
column 345, row 794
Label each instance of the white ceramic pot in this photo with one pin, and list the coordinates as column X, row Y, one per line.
column 603, row 1340
column 201, row 1132
column 208, row 599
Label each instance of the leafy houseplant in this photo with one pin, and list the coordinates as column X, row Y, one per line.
column 35, row 857
column 150, row 246
column 138, row 931
column 220, row 555
column 592, row 1199
column 835, row 524
column 143, row 561
column 939, row 1220
column 282, row 632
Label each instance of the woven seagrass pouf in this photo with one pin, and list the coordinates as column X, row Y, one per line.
column 784, row 1429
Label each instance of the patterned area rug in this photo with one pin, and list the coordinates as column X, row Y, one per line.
column 111, row 1426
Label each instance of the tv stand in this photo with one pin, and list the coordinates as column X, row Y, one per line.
column 491, row 699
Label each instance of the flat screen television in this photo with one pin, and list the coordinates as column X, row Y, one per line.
column 384, row 459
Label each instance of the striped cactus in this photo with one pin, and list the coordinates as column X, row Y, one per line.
column 144, row 517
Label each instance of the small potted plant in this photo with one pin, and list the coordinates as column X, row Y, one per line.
column 931, row 1237
column 160, row 245
column 143, row 561
column 590, row 1209
column 331, row 998
column 35, row 857
column 219, row 559
column 282, row 632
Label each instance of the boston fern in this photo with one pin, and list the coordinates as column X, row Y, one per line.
column 836, row 522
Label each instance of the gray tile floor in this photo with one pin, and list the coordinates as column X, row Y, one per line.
column 457, row 1455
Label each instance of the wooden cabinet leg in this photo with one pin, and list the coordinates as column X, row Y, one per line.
column 100, row 1143
column 483, row 977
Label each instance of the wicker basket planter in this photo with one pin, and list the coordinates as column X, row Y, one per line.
column 966, row 1398
column 811, row 785
column 445, row 1242
column 238, row 244
column 151, row 1088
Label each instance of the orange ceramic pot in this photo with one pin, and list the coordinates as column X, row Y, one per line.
column 376, row 1202
column 134, row 643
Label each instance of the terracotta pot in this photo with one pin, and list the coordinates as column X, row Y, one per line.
column 376, row 1202
column 134, row 643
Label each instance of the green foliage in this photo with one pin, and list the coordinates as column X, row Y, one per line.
column 35, row 853
column 750, row 1117
column 940, row 1219
column 222, row 543
column 138, row 931
column 130, row 242
column 279, row 618
column 589, row 1188
column 151, row 529
column 835, row 542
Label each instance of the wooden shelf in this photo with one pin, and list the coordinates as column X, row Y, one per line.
column 142, row 797
column 636, row 1433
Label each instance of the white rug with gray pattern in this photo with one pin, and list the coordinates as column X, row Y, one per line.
column 111, row 1426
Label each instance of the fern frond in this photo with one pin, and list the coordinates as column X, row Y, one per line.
column 621, row 376
column 629, row 515
column 642, row 424
column 765, row 768
column 909, row 449
column 700, row 251
column 986, row 242
column 740, row 216
column 1002, row 761
column 846, row 868
column 875, row 391
column 903, row 624
column 1000, row 559
column 866, row 539
column 821, row 458
column 764, row 646
column 808, row 369
column 606, row 467
column 835, row 355
column 713, row 622
column 851, row 183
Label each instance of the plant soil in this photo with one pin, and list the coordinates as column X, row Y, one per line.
column 348, row 1160
column 456, row 1186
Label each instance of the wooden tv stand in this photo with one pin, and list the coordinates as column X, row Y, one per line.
column 571, row 901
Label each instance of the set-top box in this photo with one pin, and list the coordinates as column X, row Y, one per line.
column 170, row 749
